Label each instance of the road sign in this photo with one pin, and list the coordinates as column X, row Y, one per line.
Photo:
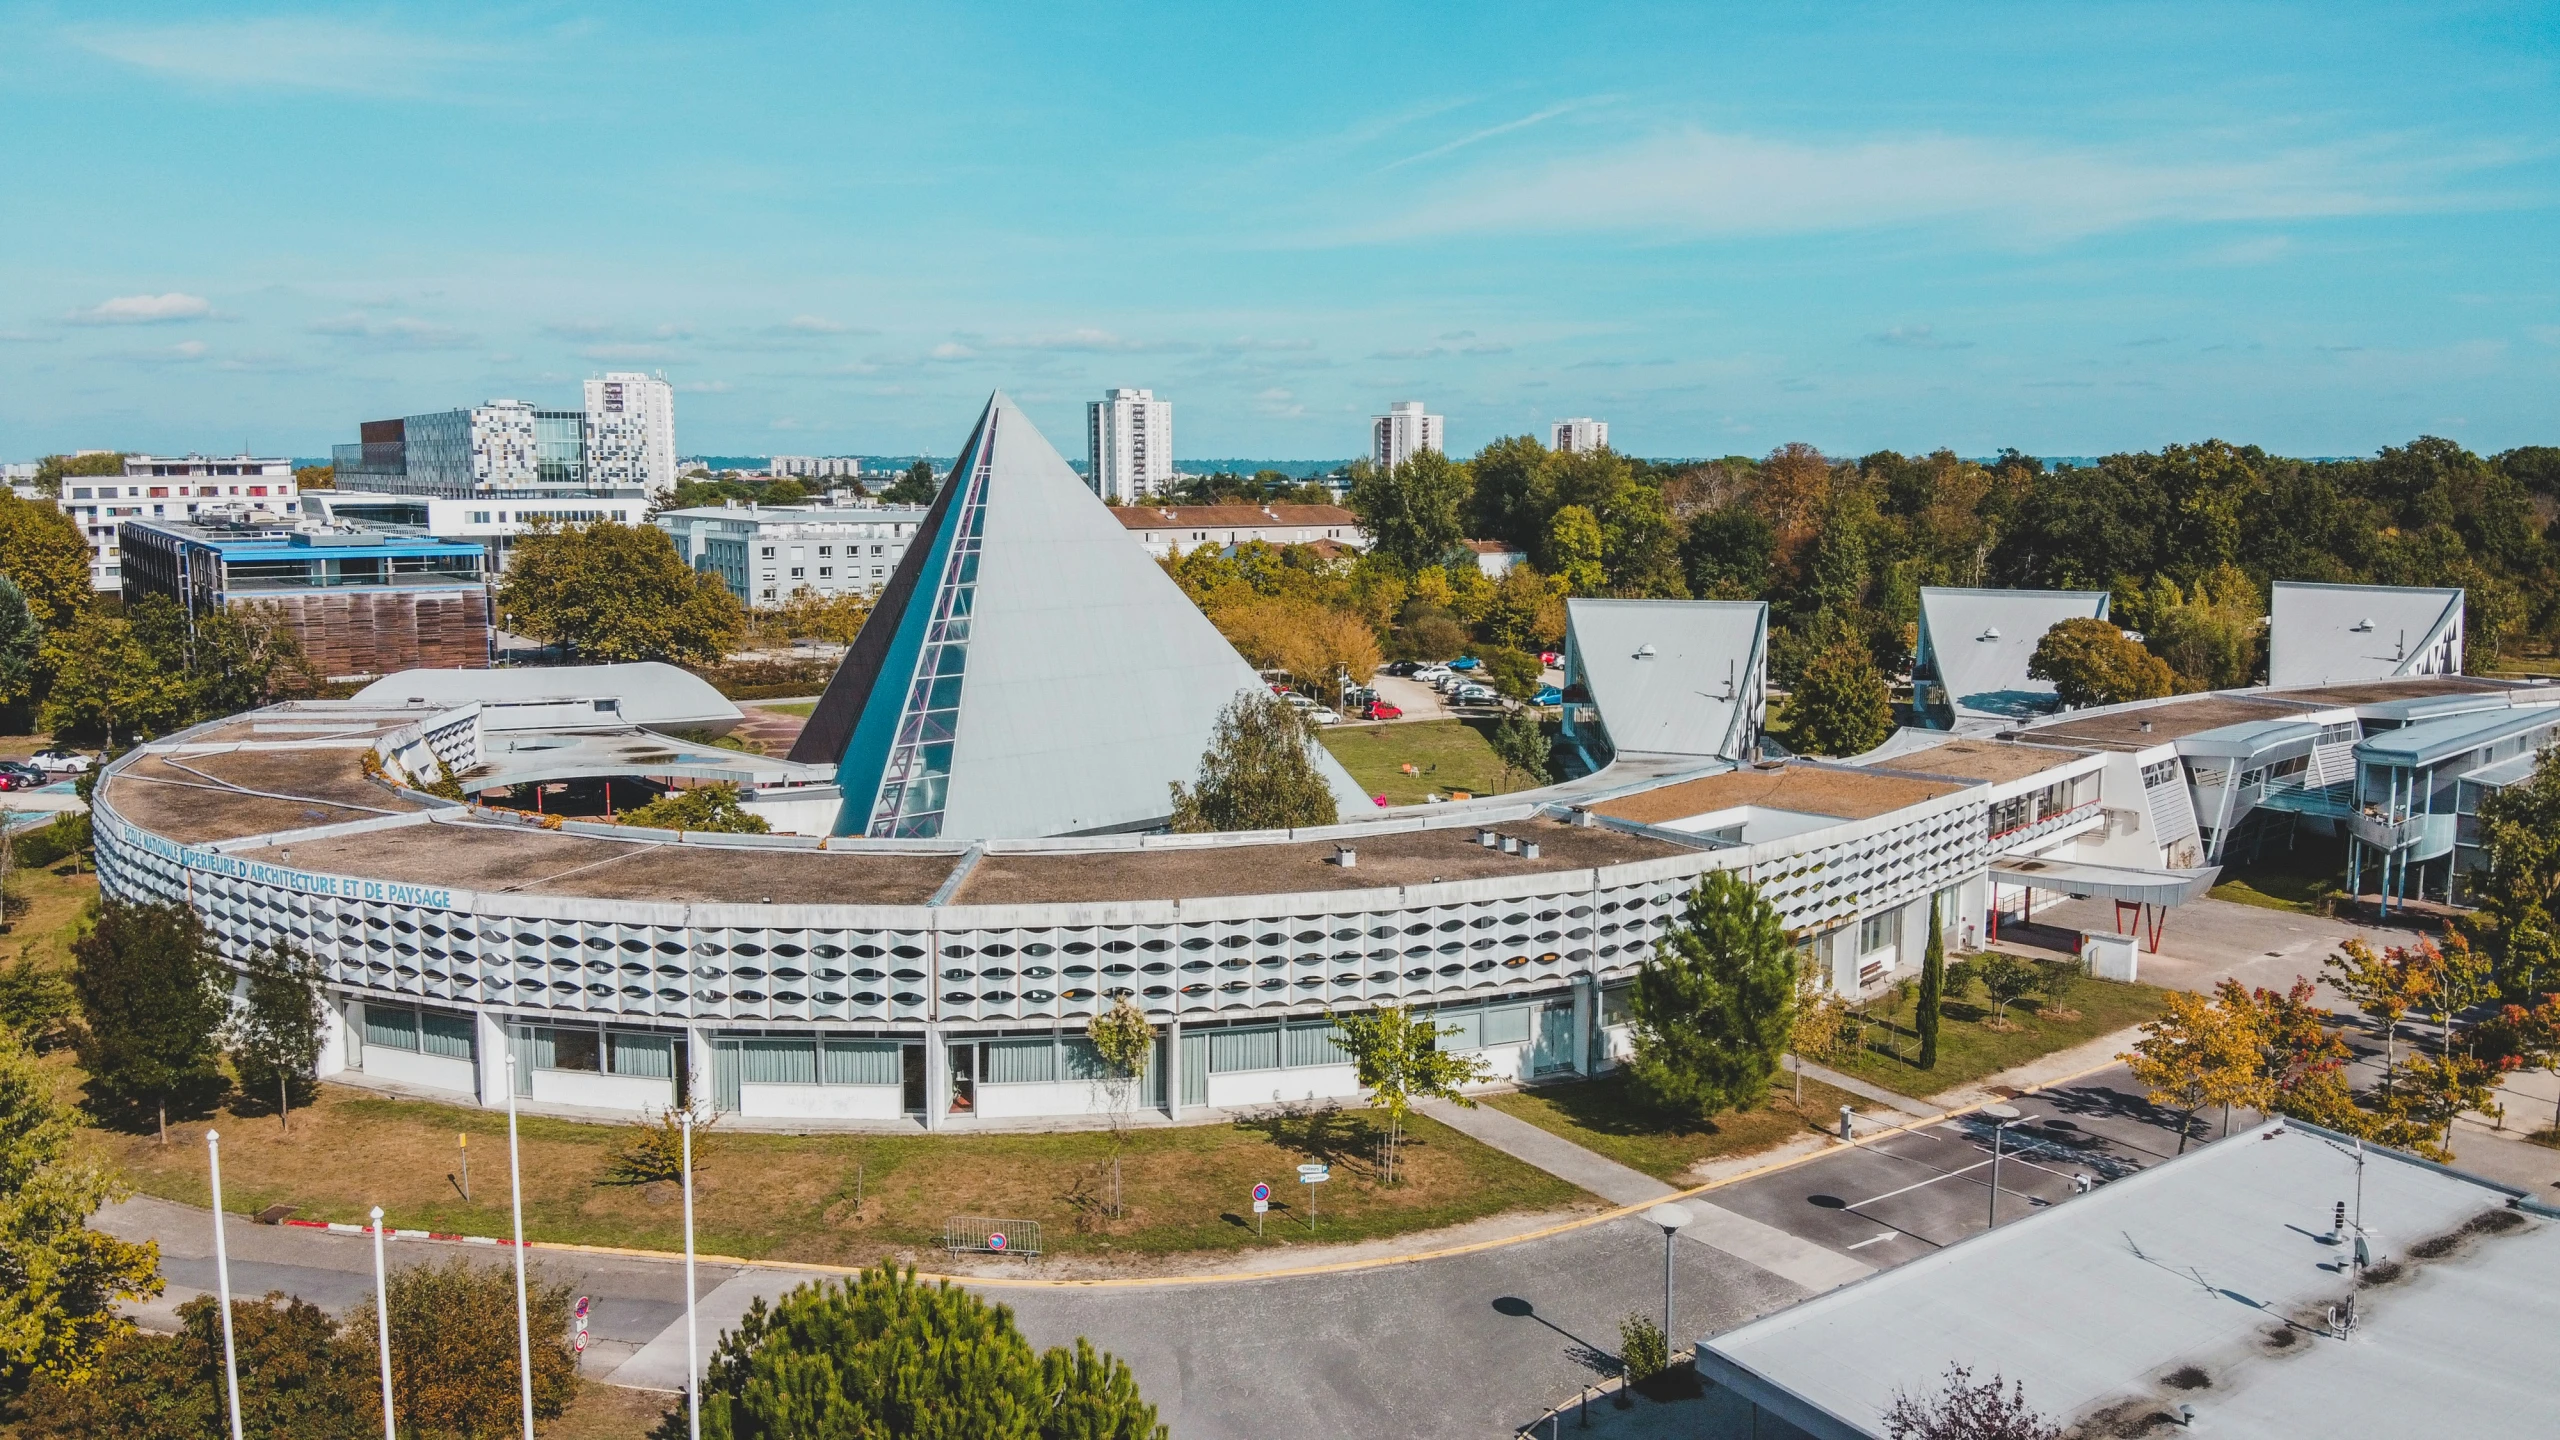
column 1314, row 1174
column 1261, row 1192
column 1261, row 1205
column 995, row 1240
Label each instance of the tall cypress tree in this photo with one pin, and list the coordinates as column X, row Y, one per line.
column 1933, row 988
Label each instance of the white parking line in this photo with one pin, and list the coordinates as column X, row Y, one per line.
column 1878, row 1240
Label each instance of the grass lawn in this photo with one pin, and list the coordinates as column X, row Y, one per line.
column 802, row 708
column 1599, row 1115
column 1446, row 754
column 608, row 1412
column 40, row 907
column 2305, row 879
column 793, row 1197
column 1967, row 1051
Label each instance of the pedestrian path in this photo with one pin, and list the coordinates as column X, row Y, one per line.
column 1789, row 1257
column 1863, row 1089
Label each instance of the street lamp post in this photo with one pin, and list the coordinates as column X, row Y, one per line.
column 515, row 1194
column 1670, row 1218
column 382, row 1323
column 222, row 1283
column 2004, row 1116
column 692, row 1359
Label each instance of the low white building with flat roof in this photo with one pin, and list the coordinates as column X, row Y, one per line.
column 163, row 487
column 768, row 553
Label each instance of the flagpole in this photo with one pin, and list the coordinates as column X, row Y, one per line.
column 382, row 1322
column 515, row 1195
column 692, row 1359
column 222, row 1282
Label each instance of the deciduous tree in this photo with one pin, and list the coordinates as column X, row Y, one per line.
column 713, row 809
column 47, row 558
column 1840, row 705
column 1521, row 741
column 915, row 487
column 21, row 641
column 298, row 1381
column 274, row 1033
column 1965, row 1409
column 1398, row 1060
column 453, row 1348
column 2517, row 888
column 1124, row 1043
column 1414, row 512
column 2199, row 1052
column 59, row 1280
column 1259, row 773
column 2385, row 987
column 153, row 996
column 2091, row 662
column 606, row 592
column 2007, row 980
column 106, row 687
column 885, row 1355
column 1715, row 1002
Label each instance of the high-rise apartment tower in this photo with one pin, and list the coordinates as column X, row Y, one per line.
column 1128, row 445
column 1403, row 432
column 1584, row 434
column 631, row 432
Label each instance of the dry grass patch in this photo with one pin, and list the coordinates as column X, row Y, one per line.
column 846, row 1199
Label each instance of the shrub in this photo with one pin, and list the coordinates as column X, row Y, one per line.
column 453, row 1349
column 1643, row 1347
column 655, row 1148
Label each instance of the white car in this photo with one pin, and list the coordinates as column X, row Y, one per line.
column 1298, row 701
column 59, row 761
column 1433, row 674
column 1474, row 695
column 1324, row 715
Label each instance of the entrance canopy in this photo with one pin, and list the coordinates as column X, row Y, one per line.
column 2121, row 883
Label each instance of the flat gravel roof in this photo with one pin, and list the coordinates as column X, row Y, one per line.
column 2122, row 729
column 1808, row 789
column 1991, row 760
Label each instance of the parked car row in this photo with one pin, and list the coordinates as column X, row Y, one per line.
column 44, row 768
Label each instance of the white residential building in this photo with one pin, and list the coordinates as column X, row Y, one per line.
column 768, row 553
column 1581, row 435
column 631, row 432
column 1128, row 445
column 494, row 520
column 1165, row 529
column 814, row 467
column 1402, row 433
column 159, row 487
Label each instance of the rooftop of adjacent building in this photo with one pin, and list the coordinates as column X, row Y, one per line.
column 2211, row 1280
column 250, row 539
column 2143, row 725
column 1843, row 792
column 1992, row 761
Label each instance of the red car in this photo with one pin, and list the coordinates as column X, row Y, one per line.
column 1381, row 710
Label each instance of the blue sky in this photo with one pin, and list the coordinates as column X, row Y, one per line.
column 2320, row 228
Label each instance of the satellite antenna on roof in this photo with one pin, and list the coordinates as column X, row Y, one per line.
column 2362, row 626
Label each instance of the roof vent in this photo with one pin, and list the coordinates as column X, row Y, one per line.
column 1488, row 839
column 2146, row 726
column 1644, row 651
column 1989, row 632
column 1528, row 849
column 2363, row 626
column 1346, row 857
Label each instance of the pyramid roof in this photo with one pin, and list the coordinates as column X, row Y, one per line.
column 2335, row 634
column 1029, row 669
column 1980, row 643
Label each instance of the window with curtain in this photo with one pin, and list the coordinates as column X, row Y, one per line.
column 1257, row 1049
column 443, row 1033
column 1314, row 1043
column 1506, row 1025
column 773, row 1061
column 862, row 1062
column 644, row 1057
column 1078, row 1059
column 391, row 1027
column 1022, row 1062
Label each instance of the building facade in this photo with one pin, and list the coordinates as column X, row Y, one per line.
column 157, row 487
column 630, row 432
column 769, row 553
column 1128, row 445
column 814, row 467
column 1164, row 529
column 1402, row 433
column 1579, row 436
column 494, row 520
column 361, row 602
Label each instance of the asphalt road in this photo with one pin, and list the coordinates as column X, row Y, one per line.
column 1465, row 1346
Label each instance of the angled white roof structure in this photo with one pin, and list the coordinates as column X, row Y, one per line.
column 652, row 694
column 1971, row 659
column 2205, row 1281
column 2335, row 634
column 1671, row 677
column 1028, row 671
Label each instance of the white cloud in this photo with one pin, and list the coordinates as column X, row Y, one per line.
column 578, row 329
column 706, row 387
column 1247, row 344
column 1918, row 337
column 630, row 354
column 302, row 52
column 145, row 310
column 400, row 332
column 815, row 325
column 1086, row 341
column 1487, row 133
column 1702, row 183
column 951, row 350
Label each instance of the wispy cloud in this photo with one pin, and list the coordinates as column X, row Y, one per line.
column 705, row 387
column 144, row 310
column 815, row 325
column 1917, row 337
column 630, row 353
column 298, row 52
column 1704, row 183
column 399, row 332
column 1487, row 133
column 185, row 352
column 578, row 329
column 1086, row 341
column 1248, row 345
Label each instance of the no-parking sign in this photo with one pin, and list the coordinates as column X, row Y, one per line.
column 995, row 1240
column 1261, row 1197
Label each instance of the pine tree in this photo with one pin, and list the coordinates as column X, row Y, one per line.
column 1933, row 989
column 1715, row 1005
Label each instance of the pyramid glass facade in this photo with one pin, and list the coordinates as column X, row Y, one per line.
column 916, row 781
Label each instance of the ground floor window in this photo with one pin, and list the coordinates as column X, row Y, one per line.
column 1876, row 932
column 420, row 1030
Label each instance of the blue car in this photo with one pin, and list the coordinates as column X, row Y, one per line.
column 1468, row 662
column 1547, row 695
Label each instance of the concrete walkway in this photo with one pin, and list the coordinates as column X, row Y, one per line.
column 1766, row 1246
column 1863, row 1089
